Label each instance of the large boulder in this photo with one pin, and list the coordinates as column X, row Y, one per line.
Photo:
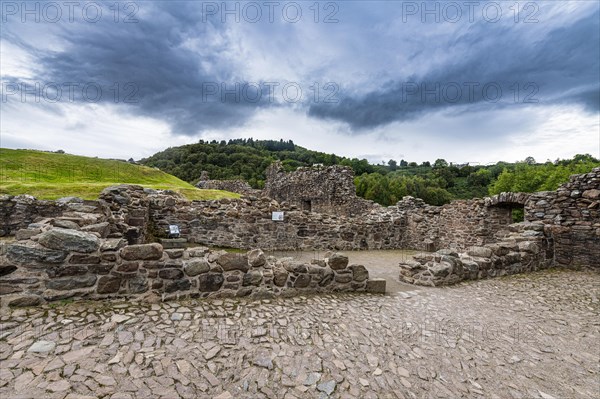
column 448, row 252
column 142, row 252
column 253, row 277
column 231, row 261
column 101, row 228
column 70, row 283
column 210, row 282
column 26, row 254
column 69, row 240
column 480, row 252
column 327, row 278
column 196, row 266
column 359, row 272
column 113, row 244
column 138, row 284
column 528, row 246
column 592, row 194
column 441, row 269
column 108, row 285
column 294, row 266
column 177, row 285
column 26, row 300
column 338, row 261
column 65, row 224
column 256, row 258
column 170, row 274
column 280, row 277
column 302, row 281
column 376, row 286
column 470, row 268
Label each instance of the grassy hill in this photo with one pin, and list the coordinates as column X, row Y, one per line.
column 48, row 175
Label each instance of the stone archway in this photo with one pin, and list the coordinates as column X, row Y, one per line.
column 511, row 205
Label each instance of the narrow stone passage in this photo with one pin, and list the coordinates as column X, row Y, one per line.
column 523, row 336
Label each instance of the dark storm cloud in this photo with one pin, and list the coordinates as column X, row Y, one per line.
column 560, row 67
column 149, row 67
column 171, row 65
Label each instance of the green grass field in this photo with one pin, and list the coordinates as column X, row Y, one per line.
column 48, row 175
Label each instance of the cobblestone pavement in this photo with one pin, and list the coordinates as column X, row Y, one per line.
column 524, row 336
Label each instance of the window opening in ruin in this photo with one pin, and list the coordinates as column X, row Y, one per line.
column 518, row 214
column 307, row 205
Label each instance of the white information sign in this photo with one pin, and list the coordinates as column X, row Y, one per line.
column 278, row 216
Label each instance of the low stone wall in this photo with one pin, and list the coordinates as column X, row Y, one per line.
column 58, row 263
column 525, row 249
column 139, row 214
column 247, row 223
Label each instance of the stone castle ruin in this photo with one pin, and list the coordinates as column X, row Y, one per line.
column 234, row 186
column 317, row 189
column 105, row 248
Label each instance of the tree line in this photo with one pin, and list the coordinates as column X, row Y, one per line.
column 436, row 183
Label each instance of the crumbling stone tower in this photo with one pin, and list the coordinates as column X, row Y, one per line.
column 321, row 189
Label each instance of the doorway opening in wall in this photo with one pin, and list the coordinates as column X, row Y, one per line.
column 307, row 205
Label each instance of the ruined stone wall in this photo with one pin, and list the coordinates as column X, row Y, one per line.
column 320, row 189
column 457, row 225
column 562, row 228
column 17, row 212
column 58, row 263
column 234, row 186
column 129, row 209
column 29, row 215
column 247, row 223
column 571, row 216
column 525, row 248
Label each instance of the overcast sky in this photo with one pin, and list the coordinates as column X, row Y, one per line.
column 471, row 82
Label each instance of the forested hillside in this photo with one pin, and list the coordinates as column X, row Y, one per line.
column 437, row 183
column 245, row 159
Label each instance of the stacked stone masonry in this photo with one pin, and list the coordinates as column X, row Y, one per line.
column 524, row 249
column 17, row 212
column 571, row 216
column 318, row 189
column 562, row 229
column 54, row 263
